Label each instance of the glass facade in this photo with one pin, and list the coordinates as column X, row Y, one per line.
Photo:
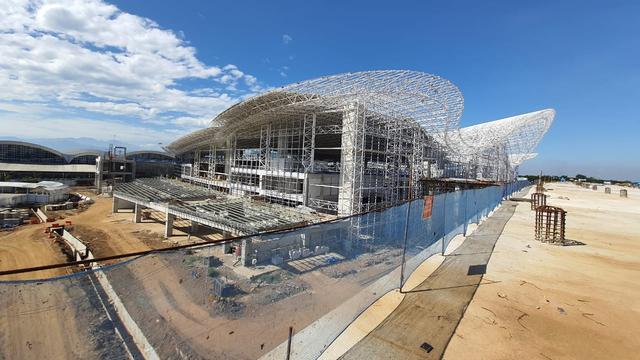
column 25, row 154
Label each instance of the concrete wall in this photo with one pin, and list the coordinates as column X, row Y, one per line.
column 80, row 250
column 264, row 248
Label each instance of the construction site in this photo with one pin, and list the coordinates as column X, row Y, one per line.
column 316, row 220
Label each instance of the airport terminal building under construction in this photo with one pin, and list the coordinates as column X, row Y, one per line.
column 354, row 142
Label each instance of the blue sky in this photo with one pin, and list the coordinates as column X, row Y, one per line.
column 160, row 69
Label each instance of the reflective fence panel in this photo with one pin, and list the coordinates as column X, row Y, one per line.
column 236, row 300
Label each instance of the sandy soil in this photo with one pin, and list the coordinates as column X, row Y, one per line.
column 172, row 290
column 64, row 319
column 28, row 246
column 55, row 320
column 554, row 302
column 104, row 233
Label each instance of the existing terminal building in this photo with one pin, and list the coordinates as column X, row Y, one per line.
column 27, row 162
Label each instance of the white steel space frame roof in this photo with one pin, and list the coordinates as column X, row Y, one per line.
column 432, row 102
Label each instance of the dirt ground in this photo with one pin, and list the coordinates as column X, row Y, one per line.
column 28, row 246
column 174, row 290
column 64, row 319
column 55, row 320
column 560, row 302
column 104, row 233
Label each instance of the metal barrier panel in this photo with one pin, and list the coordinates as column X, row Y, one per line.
column 236, row 300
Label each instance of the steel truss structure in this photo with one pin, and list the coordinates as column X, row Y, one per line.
column 354, row 142
column 495, row 149
column 236, row 215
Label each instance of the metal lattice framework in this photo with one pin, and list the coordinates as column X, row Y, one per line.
column 518, row 134
column 433, row 102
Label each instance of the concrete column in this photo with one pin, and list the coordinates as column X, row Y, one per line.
column 261, row 184
column 116, row 205
column 194, row 227
column 246, row 252
column 349, row 178
column 137, row 213
column 168, row 229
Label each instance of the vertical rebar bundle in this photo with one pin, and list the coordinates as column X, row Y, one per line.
column 538, row 199
column 550, row 224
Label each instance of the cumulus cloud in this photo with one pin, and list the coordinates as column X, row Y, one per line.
column 88, row 56
column 286, row 39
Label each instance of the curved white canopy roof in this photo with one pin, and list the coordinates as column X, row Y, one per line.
column 519, row 135
column 192, row 140
column 428, row 100
column 433, row 102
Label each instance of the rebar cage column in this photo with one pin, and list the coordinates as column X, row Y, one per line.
column 550, row 224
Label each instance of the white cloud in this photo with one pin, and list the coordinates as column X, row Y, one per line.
column 286, row 39
column 70, row 55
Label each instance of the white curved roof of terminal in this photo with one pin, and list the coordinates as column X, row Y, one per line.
column 430, row 101
column 433, row 102
column 519, row 135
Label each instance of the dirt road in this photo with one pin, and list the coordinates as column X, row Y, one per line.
column 28, row 246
